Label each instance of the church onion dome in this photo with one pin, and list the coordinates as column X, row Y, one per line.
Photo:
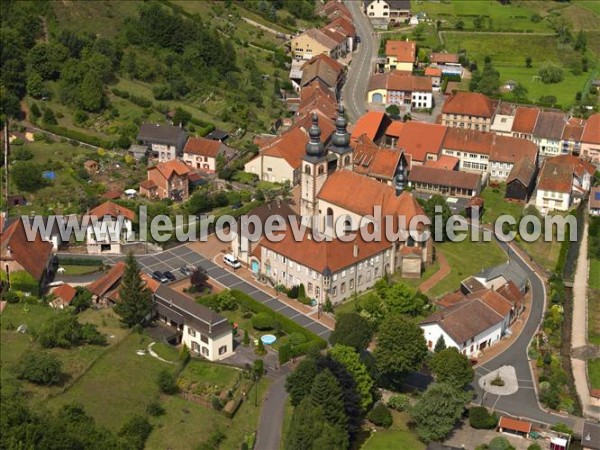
column 314, row 147
column 341, row 138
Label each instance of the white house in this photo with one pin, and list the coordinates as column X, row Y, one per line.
column 548, row 132
column 470, row 325
column 201, row 330
column 395, row 10
column 202, row 154
column 562, row 182
column 109, row 226
column 165, row 141
column 398, row 88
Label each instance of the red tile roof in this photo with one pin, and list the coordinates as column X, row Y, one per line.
column 322, row 67
column 202, row 146
column 113, row 194
column 317, row 96
column 450, row 299
column 365, row 194
column 515, row 425
column 557, row 173
column 66, row 293
column 443, row 177
column 433, row 72
column 469, row 104
column 167, row 169
column 494, row 300
column 443, row 58
column 419, row 138
column 398, row 80
column 108, row 281
column 113, row 210
column 343, row 25
column 404, row 51
column 32, row 256
column 376, row 162
column 395, row 129
column 445, row 162
column 574, row 129
column 333, row 9
column 525, row 120
column 591, row 132
column 148, row 184
column 370, row 124
column 511, row 292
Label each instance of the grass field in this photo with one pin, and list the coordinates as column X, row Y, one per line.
column 79, row 270
column 216, row 375
column 594, row 316
column 594, row 282
column 495, row 204
column 186, row 424
column 465, row 258
column 594, row 372
column 398, row 436
column 508, row 54
column 544, row 253
column 119, row 385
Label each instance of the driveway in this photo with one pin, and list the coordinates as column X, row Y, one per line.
column 354, row 92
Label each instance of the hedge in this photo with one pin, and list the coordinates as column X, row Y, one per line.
column 79, row 261
column 78, row 136
column 481, row 419
column 314, row 342
column 22, row 281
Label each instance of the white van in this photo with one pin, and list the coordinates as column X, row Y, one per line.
column 230, row 260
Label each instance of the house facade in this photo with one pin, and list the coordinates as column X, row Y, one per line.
column 548, row 132
column 167, row 180
column 110, row 226
column 401, row 89
column 445, row 182
column 204, row 332
column 164, row 141
column 400, row 55
column 394, row 10
column 314, row 42
column 469, row 110
column 202, row 154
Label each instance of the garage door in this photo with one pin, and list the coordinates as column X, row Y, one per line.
column 377, row 98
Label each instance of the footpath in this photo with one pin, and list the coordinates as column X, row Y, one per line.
column 589, row 405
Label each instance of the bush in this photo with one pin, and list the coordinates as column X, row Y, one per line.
column 76, row 135
column 481, row 419
column 136, row 431
column 534, row 446
column 216, row 403
column 167, row 383
column 380, row 415
column 550, row 73
column 399, row 402
column 64, row 331
column 297, row 339
column 500, row 443
column 40, row 368
column 155, row 409
column 263, row 321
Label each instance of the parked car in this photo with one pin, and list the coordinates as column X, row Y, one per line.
column 186, row 270
column 357, row 39
column 159, row 276
column 230, row 260
column 170, row 276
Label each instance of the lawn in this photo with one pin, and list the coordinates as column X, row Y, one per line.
column 495, row 204
column 398, row 436
column 119, row 385
column 58, row 151
column 594, row 282
column 594, row 316
column 465, row 259
column 594, row 372
column 508, row 54
column 79, row 270
column 216, row 376
column 186, row 424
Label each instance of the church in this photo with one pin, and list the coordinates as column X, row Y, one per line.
column 330, row 190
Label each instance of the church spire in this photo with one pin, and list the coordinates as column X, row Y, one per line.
column 340, row 143
column 314, row 147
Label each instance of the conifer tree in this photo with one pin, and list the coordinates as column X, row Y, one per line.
column 327, row 394
column 440, row 345
column 136, row 299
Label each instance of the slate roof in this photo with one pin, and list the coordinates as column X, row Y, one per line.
column 590, row 435
column 443, row 177
column 183, row 309
column 550, row 125
column 511, row 271
column 160, row 134
column 523, row 171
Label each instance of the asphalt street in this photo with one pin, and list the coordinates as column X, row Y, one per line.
column 354, row 92
column 524, row 402
column 174, row 258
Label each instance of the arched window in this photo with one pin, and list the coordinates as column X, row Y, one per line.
column 321, row 170
column 307, row 169
column 346, row 160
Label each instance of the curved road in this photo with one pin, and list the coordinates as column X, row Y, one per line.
column 524, row 402
column 354, row 92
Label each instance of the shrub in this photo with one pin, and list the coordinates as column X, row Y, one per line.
column 380, row 415
column 167, row 383
column 297, row 339
column 136, row 431
column 216, row 403
column 481, row 419
column 155, row 409
column 497, row 381
column 263, row 321
column 40, row 368
column 285, row 353
column 399, row 402
column 550, row 73
column 500, row 443
column 562, row 428
column 534, row 446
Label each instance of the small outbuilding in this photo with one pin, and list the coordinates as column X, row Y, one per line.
column 514, row 426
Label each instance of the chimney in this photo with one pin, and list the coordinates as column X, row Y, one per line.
column 355, row 250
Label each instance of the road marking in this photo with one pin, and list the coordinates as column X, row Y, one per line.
column 322, row 332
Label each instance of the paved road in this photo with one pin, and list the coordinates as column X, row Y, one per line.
column 524, row 402
column 354, row 92
column 182, row 255
column 270, row 425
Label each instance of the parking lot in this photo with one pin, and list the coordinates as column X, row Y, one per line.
column 175, row 258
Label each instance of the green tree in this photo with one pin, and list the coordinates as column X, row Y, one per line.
column 393, row 110
column 199, row 279
column 439, row 213
column 401, row 347
column 39, row 368
column 350, row 359
column 246, row 340
column 438, row 410
column 550, row 73
column 528, row 61
column 400, row 299
column 309, row 429
column 580, row 42
column 91, row 92
column 327, row 394
column 167, row 383
column 500, row 443
column 27, row 176
column 181, row 117
column 135, row 306
column 35, row 86
column 439, row 345
column 136, row 431
column 520, row 91
column 353, row 330
column 380, row 415
column 450, row 366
